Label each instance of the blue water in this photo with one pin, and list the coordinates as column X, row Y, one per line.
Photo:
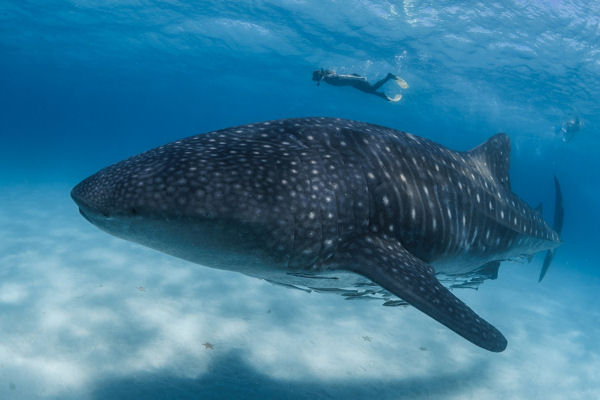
column 86, row 83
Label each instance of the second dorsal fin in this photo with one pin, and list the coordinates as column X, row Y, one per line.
column 495, row 155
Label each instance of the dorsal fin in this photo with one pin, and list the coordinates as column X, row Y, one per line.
column 495, row 155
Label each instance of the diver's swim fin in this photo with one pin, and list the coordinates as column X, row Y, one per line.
column 558, row 224
column 394, row 99
column 400, row 82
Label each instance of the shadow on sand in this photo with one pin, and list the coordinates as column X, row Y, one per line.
column 230, row 377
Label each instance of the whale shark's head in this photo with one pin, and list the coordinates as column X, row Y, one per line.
column 186, row 199
column 145, row 185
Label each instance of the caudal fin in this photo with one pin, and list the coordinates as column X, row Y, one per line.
column 558, row 224
column 559, row 211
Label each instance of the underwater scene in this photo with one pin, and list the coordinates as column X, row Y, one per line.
column 299, row 199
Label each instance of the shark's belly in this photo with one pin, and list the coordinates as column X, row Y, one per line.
column 325, row 279
column 465, row 261
column 350, row 285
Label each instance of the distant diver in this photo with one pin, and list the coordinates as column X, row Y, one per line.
column 569, row 128
column 358, row 82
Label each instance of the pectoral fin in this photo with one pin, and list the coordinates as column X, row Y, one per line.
column 389, row 264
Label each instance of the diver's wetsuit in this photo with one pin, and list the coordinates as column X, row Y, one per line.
column 358, row 82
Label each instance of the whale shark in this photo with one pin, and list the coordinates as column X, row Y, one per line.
column 328, row 204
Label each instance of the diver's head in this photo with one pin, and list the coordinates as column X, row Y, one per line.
column 318, row 75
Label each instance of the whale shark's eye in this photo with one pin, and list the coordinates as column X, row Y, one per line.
column 133, row 211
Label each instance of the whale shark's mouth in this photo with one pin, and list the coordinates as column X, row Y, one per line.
column 92, row 216
column 84, row 215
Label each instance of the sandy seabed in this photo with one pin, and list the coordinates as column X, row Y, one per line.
column 85, row 315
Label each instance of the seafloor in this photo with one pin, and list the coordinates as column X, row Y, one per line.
column 89, row 316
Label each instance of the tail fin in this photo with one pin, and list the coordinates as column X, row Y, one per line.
column 558, row 224
column 559, row 211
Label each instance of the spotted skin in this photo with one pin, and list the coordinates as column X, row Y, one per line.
column 304, row 202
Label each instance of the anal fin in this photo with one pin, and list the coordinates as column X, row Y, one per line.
column 390, row 265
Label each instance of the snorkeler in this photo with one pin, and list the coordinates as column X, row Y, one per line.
column 358, row 82
column 569, row 128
